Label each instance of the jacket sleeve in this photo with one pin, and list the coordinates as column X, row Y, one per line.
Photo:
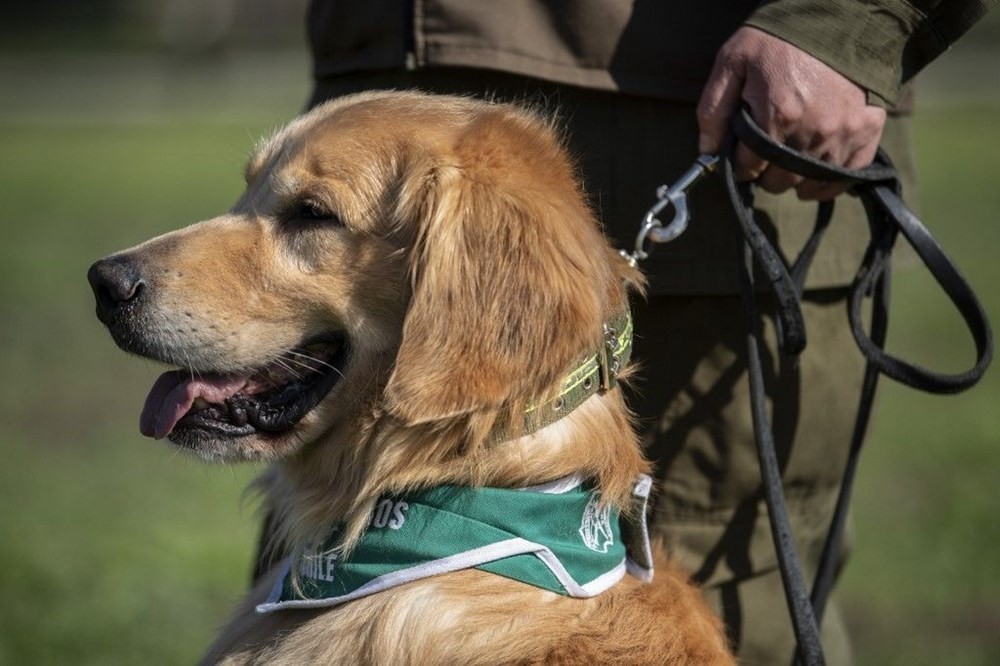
column 878, row 44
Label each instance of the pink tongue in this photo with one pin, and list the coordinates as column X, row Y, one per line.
column 174, row 393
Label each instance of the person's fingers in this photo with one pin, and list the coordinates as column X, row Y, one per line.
column 817, row 190
column 820, row 190
column 776, row 181
column 862, row 155
column 864, row 150
column 719, row 101
column 749, row 165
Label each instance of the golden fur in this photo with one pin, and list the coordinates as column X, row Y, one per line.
column 469, row 275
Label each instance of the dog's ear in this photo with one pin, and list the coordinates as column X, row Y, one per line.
column 511, row 276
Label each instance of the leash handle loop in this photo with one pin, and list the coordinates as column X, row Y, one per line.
column 878, row 187
column 951, row 281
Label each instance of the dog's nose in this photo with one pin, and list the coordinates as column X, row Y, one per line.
column 117, row 282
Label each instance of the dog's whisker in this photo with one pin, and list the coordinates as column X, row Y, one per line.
column 312, row 359
column 190, row 366
column 308, row 362
column 175, row 453
column 316, row 369
column 282, row 363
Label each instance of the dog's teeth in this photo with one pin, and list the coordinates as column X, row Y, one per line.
column 201, row 403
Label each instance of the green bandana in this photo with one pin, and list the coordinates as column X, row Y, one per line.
column 557, row 537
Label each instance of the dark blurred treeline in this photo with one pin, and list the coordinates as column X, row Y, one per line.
column 190, row 26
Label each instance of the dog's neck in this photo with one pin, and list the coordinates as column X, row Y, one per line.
column 377, row 455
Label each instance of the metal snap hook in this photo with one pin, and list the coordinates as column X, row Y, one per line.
column 673, row 196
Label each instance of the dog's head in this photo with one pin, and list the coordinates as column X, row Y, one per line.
column 412, row 257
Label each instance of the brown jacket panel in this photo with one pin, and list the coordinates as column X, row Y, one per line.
column 649, row 47
column 653, row 48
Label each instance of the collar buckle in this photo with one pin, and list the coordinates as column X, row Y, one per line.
column 609, row 359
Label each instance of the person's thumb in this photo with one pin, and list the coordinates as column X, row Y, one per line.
column 720, row 99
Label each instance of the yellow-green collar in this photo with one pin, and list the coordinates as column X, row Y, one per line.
column 597, row 372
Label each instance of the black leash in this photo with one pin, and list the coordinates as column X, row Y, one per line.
column 878, row 188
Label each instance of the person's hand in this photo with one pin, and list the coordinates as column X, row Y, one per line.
column 795, row 98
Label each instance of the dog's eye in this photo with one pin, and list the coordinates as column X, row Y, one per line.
column 312, row 212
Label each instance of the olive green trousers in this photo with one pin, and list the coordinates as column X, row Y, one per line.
column 693, row 401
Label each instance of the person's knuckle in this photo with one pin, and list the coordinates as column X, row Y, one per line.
column 730, row 57
column 785, row 114
column 855, row 130
column 829, row 127
column 855, row 123
column 874, row 118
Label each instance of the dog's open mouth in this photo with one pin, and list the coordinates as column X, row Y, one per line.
column 270, row 399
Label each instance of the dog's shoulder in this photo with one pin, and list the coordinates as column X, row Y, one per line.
column 474, row 617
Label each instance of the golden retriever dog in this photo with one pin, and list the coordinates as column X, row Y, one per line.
column 411, row 300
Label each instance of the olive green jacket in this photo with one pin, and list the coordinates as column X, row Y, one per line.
column 659, row 54
column 645, row 47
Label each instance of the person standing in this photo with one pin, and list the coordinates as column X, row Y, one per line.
column 642, row 87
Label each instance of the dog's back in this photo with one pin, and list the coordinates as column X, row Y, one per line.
column 473, row 617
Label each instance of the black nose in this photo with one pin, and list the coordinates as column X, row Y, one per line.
column 117, row 283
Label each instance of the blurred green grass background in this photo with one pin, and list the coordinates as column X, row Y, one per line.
column 114, row 549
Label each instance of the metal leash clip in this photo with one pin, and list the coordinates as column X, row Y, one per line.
column 675, row 195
